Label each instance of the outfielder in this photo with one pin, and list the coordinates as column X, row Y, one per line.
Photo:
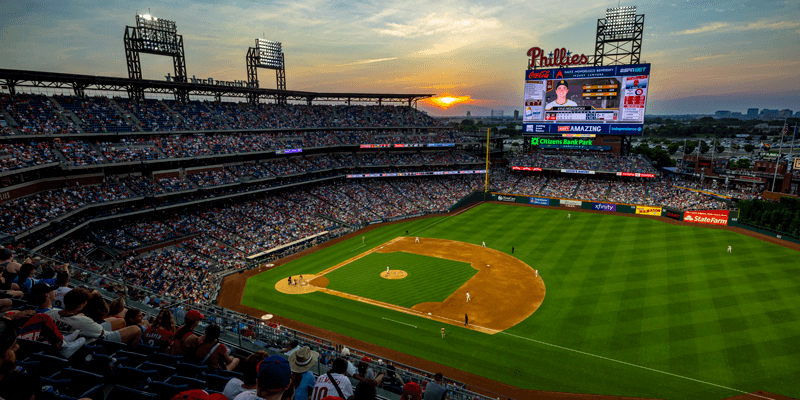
column 442, row 332
column 568, row 215
column 729, row 249
column 362, row 239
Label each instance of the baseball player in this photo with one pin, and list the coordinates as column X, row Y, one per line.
column 466, row 319
column 512, row 249
column 387, row 270
column 442, row 332
column 362, row 239
column 467, row 297
column 568, row 215
column 483, row 244
column 729, row 249
column 416, row 240
column 537, row 273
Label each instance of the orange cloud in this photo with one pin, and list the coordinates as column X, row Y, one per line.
column 446, row 101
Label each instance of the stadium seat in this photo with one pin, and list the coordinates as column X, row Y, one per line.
column 48, row 365
column 28, row 347
column 81, row 383
column 145, row 349
column 124, row 393
column 189, row 370
column 111, row 347
column 228, row 374
column 134, row 359
column 164, row 391
column 164, row 359
column 214, row 382
column 182, row 380
column 134, row 377
column 164, row 371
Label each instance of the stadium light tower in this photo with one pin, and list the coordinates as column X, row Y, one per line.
column 267, row 54
column 619, row 37
column 154, row 36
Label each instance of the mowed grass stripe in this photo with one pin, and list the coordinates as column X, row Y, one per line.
column 641, row 291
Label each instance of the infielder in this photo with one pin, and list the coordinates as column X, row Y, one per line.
column 483, row 244
column 416, row 240
column 537, row 273
column 466, row 319
column 387, row 270
column 442, row 332
column 467, row 297
column 729, row 249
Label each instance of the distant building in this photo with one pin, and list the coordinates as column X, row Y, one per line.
column 722, row 114
column 769, row 114
column 497, row 114
column 786, row 113
column 516, row 114
column 752, row 113
column 469, row 114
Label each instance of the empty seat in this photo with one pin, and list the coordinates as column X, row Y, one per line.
column 111, row 347
column 134, row 359
column 164, row 371
column 228, row 374
column 163, row 390
column 214, row 382
column 164, row 359
column 182, row 380
column 124, row 393
column 81, row 383
column 48, row 365
column 190, row 370
column 28, row 347
column 145, row 349
column 134, row 377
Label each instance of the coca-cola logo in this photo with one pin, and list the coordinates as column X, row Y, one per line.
column 539, row 75
column 556, row 58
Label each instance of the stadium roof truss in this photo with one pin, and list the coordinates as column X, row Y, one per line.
column 12, row 79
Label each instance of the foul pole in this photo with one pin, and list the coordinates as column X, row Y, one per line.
column 486, row 183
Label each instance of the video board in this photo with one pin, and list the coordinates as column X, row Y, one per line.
column 604, row 100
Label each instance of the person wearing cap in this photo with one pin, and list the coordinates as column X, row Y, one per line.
column 301, row 361
column 41, row 296
column 248, row 383
column 435, row 390
column 562, row 88
column 366, row 372
column 352, row 371
column 14, row 384
column 325, row 383
column 411, row 391
column 274, row 378
column 186, row 342
column 198, row 394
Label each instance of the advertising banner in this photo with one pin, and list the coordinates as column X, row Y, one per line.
column 711, row 217
column 647, row 210
column 673, row 215
column 525, row 168
column 540, row 201
column 576, row 171
column 604, row 207
column 721, row 196
column 510, row 199
column 636, row 174
column 570, row 203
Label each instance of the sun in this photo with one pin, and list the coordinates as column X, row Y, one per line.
column 446, row 101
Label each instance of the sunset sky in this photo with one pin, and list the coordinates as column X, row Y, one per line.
column 706, row 55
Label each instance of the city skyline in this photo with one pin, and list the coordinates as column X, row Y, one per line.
column 705, row 55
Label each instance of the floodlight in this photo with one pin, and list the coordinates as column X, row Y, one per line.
column 270, row 54
column 620, row 20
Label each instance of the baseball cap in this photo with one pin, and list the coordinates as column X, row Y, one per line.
column 345, row 352
column 38, row 293
column 411, row 391
column 332, row 398
column 274, row 374
column 199, row 394
column 194, row 315
column 366, row 360
column 562, row 83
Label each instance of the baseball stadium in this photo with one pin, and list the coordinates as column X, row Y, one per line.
column 198, row 228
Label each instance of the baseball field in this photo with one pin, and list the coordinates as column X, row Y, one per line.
column 620, row 305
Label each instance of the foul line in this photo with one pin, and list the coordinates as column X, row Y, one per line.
column 362, row 255
column 635, row 365
column 399, row 322
column 357, row 248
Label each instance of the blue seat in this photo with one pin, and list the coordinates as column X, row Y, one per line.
column 145, row 349
column 229, row 374
column 124, row 393
column 134, row 359
column 214, row 382
column 80, row 383
column 190, row 370
column 191, row 382
column 28, row 347
column 164, row 371
column 163, row 390
column 111, row 347
column 164, row 359
column 134, row 377
column 48, row 365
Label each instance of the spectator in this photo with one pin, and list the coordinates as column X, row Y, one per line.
column 290, row 348
column 352, row 371
column 411, row 391
column 365, row 390
column 213, row 353
column 161, row 332
column 366, row 372
column 117, row 308
column 392, row 382
column 14, row 384
column 337, row 372
column 135, row 317
column 301, row 361
column 42, row 297
column 274, row 378
column 62, row 281
column 248, row 383
column 435, row 390
column 69, row 321
column 186, row 342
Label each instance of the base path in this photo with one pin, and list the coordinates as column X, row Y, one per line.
column 503, row 293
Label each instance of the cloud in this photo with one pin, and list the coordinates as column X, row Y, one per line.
column 374, row 60
column 753, row 26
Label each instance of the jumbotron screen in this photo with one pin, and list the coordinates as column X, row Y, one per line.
column 605, row 100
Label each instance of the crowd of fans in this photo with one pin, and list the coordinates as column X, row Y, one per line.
column 21, row 155
column 37, row 115
column 580, row 161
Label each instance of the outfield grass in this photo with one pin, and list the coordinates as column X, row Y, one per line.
column 633, row 307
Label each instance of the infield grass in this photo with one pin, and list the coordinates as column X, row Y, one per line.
column 634, row 307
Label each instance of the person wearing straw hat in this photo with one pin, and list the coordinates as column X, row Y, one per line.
column 301, row 361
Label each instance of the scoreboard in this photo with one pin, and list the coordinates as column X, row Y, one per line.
column 606, row 100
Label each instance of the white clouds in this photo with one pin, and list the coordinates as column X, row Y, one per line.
column 375, row 60
column 752, row 26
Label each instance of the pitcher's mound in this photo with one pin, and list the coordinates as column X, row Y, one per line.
column 394, row 274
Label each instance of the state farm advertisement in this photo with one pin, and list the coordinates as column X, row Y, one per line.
column 711, row 217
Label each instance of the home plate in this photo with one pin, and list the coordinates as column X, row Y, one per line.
column 266, row 317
